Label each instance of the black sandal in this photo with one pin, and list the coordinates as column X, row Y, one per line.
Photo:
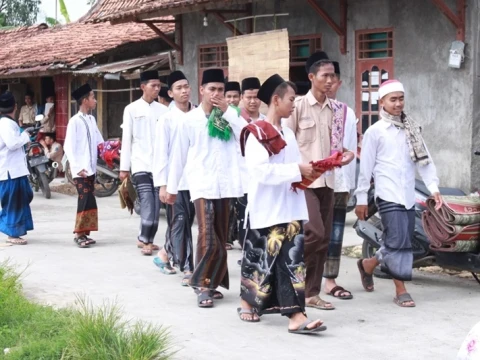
column 216, row 295
column 90, row 241
column 203, row 298
column 82, row 242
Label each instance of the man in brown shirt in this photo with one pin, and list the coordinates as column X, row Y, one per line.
column 312, row 122
column 27, row 112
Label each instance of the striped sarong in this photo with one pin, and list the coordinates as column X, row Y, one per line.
column 178, row 238
column 395, row 255
column 211, row 268
column 15, row 198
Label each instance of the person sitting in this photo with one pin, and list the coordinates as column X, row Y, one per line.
column 53, row 150
column 48, row 121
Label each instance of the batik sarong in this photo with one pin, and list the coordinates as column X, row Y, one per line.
column 273, row 269
column 395, row 255
column 178, row 238
column 87, row 213
column 15, row 198
column 240, row 208
column 149, row 200
column 332, row 265
column 211, row 268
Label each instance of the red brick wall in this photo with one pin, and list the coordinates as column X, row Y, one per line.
column 62, row 98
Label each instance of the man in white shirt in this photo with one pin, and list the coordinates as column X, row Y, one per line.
column 344, row 183
column 138, row 139
column 81, row 148
column 163, row 97
column 392, row 149
column 232, row 93
column 178, row 247
column 250, row 112
column 318, row 123
column 232, row 96
column 15, row 190
column 206, row 150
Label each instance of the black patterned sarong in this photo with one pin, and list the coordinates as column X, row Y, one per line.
column 273, row 269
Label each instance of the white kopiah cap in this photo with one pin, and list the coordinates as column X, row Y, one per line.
column 389, row 87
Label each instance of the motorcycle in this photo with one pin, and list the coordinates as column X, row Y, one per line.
column 107, row 178
column 42, row 170
column 370, row 231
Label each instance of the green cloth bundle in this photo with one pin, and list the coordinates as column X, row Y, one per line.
column 219, row 127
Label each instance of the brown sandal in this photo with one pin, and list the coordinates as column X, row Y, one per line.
column 340, row 293
column 16, row 241
column 319, row 304
column 140, row 245
column 147, row 251
column 367, row 279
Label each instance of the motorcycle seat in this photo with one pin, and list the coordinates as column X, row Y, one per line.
column 420, row 187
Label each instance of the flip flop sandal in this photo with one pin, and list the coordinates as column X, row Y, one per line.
column 164, row 267
column 186, row 279
column 140, row 245
column 252, row 312
column 306, row 331
column 367, row 279
column 17, row 241
column 320, row 304
column 202, row 299
column 147, row 251
column 341, row 293
column 401, row 300
column 217, row 295
column 82, row 242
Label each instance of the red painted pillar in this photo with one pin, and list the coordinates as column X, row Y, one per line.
column 62, row 102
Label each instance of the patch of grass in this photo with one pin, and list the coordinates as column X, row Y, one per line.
column 102, row 334
column 36, row 332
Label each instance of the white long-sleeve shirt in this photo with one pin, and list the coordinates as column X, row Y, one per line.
column 12, row 154
column 76, row 146
column 138, row 137
column 166, row 131
column 241, row 161
column 271, row 200
column 210, row 164
column 345, row 176
column 385, row 154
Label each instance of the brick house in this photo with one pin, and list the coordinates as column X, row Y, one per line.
column 57, row 59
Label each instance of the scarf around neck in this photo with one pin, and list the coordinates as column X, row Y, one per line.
column 416, row 145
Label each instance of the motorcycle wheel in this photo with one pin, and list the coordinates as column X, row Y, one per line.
column 43, row 183
column 105, row 185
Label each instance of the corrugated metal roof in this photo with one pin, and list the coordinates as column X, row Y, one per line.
column 132, row 64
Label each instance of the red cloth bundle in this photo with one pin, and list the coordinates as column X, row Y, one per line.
column 266, row 135
column 109, row 151
column 321, row 166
